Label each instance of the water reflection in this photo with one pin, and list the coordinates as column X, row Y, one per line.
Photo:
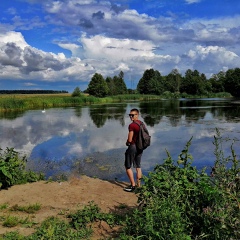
column 101, row 113
column 91, row 140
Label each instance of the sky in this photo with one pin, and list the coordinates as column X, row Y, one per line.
column 60, row 45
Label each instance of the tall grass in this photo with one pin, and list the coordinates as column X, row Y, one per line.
column 38, row 101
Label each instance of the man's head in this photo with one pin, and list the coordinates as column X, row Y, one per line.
column 134, row 113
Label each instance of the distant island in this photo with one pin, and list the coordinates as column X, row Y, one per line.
column 31, row 91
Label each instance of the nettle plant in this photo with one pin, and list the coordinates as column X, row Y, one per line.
column 177, row 201
column 12, row 169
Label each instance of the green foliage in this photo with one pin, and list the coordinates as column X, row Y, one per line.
column 76, row 92
column 32, row 208
column 56, row 229
column 98, row 86
column 151, row 82
column 177, row 201
column 12, row 236
column 84, row 216
column 11, row 221
column 232, row 82
column 3, row 206
column 11, row 103
column 12, row 169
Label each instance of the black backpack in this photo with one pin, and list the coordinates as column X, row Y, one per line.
column 143, row 139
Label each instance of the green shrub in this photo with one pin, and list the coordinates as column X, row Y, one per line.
column 84, row 216
column 56, row 229
column 12, row 236
column 12, row 169
column 178, row 202
column 32, row 208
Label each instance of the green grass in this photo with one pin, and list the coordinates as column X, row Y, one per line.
column 28, row 209
column 38, row 101
column 3, row 206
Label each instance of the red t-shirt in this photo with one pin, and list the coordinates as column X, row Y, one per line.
column 135, row 128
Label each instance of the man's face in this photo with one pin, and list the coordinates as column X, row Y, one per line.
column 133, row 115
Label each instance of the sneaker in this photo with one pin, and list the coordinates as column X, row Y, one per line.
column 129, row 188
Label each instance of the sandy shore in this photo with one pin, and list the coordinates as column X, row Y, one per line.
column 56, row 197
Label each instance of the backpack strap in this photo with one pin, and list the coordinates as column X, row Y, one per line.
column 138, row 123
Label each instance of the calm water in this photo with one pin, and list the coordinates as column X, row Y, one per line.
column 91, row 140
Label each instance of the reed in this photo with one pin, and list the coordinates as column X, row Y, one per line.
column 41, row 101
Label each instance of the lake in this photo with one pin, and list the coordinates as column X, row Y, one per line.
column 91, row 140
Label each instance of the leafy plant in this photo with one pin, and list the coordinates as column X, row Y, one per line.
column 12, row 236
column 178, row 202
column 84, row 216
column 11, row 221
column 56, row 229
column 12, row 169
column 28, row 209
column 3, row 206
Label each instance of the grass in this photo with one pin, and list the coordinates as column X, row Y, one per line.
column 13, row 221
column 41, row 101
column 28, row 209
column 3, row 206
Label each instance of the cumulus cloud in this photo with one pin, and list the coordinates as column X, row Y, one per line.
column 217, row 58
column 30, row 62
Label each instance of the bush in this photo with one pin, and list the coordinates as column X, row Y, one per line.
column 178, row 202
column 12, row 169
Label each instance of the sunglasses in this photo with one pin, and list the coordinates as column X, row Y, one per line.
column 131, row 115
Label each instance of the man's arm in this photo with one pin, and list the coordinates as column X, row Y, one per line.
column 130, row 137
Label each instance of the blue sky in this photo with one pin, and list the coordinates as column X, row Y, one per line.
column 59, row 45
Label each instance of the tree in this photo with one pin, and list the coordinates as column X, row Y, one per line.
column 76, row 92
column 120, row 86
column 98, row 86
column 193, row 83
column 232, row 82
column 217, row 82
column 173, row 81
column 111, row 86
column 151, row 82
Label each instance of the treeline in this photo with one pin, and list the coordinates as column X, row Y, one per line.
column 31, row 91
column 152, row 82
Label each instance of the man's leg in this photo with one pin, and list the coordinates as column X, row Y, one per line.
column 129, row 158
column 130, row 176
column 139, row 176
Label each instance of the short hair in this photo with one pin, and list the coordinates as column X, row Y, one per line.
column 135, row 110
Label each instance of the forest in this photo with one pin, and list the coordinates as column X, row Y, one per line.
column 152, row 82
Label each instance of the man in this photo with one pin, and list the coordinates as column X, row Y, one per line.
column 132, row 154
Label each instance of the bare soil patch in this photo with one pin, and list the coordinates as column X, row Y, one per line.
column 57, row 198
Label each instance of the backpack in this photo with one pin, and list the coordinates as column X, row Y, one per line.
column 143, row 139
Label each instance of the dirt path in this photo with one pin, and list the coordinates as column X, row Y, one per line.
column 55, row 197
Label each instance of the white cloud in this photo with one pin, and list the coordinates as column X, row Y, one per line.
column 212, row 59
column 99, row 46
column 13, row 37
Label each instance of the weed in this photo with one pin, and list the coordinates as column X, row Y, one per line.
column 28, row 209
column 3, row 206
column 11, row 221
column 56, row 229
column 179, row 202
column 12, row 169
column 12, row 236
